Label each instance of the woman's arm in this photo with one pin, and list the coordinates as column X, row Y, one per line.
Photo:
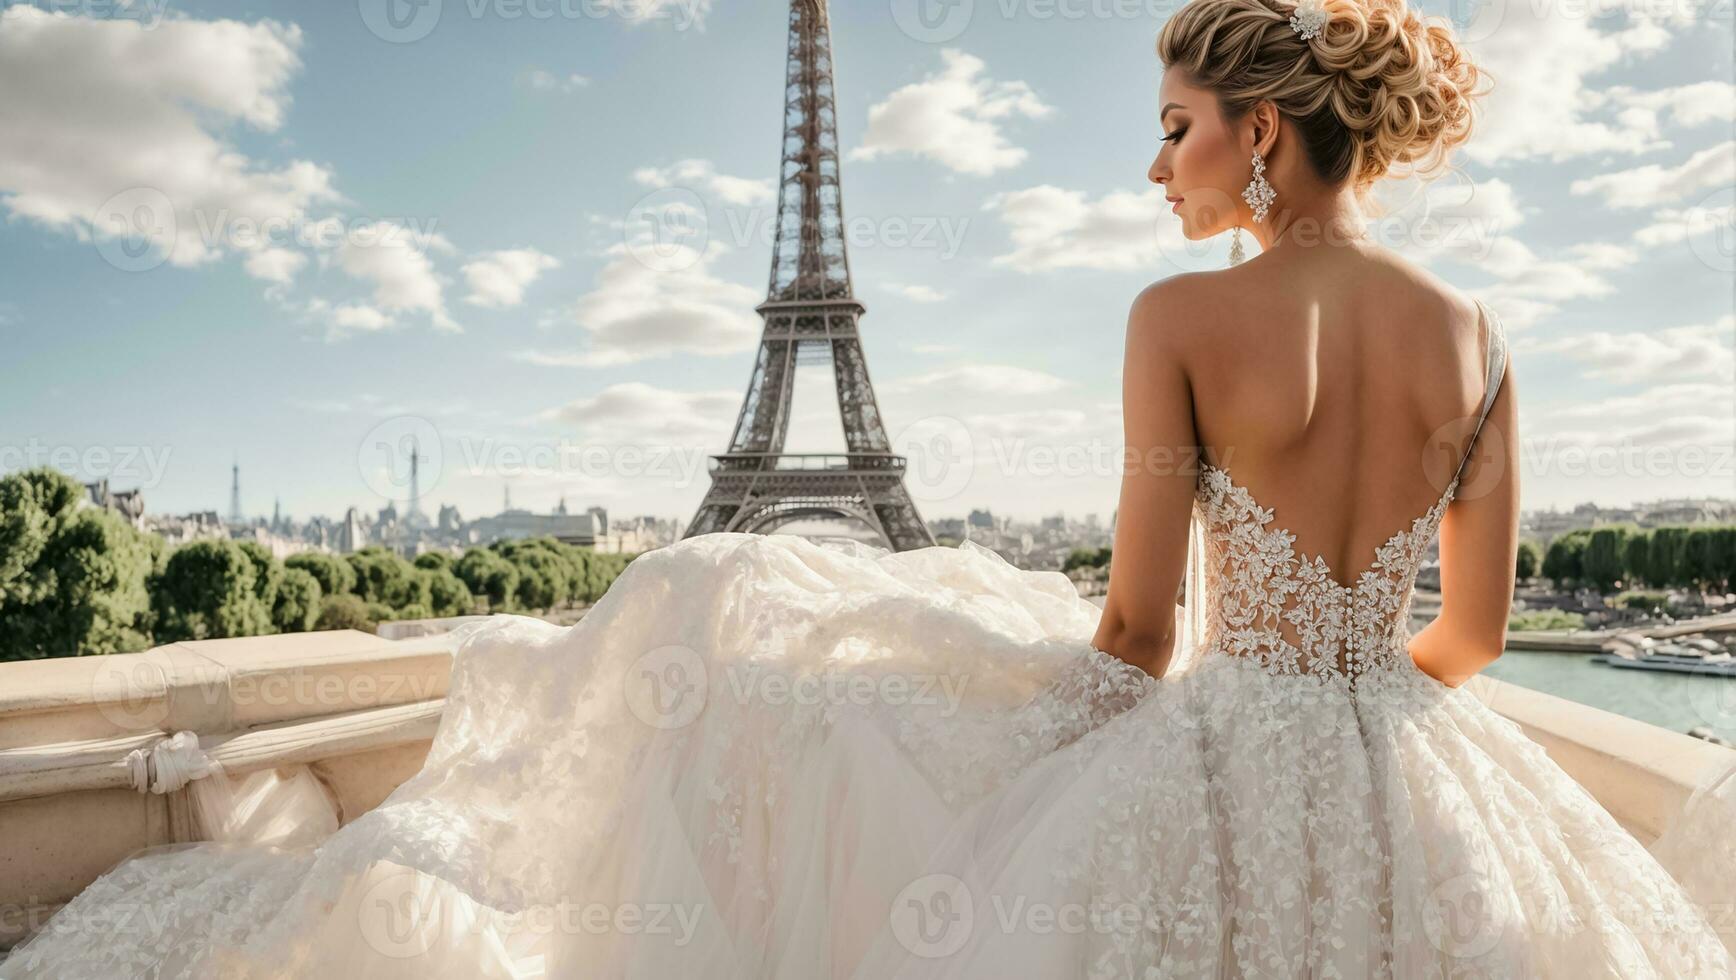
column 1479, row 545
column 1159, row 471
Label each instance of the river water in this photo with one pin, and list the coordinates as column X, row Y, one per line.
column 1674, row 701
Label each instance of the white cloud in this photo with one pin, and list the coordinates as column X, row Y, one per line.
column 498, row 279
column 682, row 14
column 916, row 293
column 1673, row 354
column 1685, row 105
column 701, row 176
column 1543, row 58
column 278, row 265
column 359, row 317
column 1475, row 224
column 1651, row 185
column 953, row 117
column 394, row 258
column 1710, row 219
column 1675, row 414
column 112, row 130
column 633, row 413
column 1055, row 228
column 979, row 380
column 637, row 312
column 1036, row 425
column 544, row 80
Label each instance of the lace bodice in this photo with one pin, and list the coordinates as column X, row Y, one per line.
column 1286, row 610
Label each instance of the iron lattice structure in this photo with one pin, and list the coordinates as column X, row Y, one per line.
column 811, row 316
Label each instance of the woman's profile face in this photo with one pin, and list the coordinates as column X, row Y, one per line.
column 1200, row 161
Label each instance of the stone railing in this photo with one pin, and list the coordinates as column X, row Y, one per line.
column 83, row 776
column 357, row 712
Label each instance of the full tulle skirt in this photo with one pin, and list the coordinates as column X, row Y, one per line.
column 761, row 757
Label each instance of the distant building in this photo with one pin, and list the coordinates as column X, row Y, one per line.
column 129, row 504
column 1546, row 525
column 588, row 530
column 177, row 531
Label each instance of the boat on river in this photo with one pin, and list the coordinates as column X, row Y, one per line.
column 1696, row 654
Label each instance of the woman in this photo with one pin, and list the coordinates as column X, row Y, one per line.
column 760, row 757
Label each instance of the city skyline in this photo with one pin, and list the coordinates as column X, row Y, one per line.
column 560, row 247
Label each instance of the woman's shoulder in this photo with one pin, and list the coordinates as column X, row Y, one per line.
column 1231, row 308
column 1191, row 314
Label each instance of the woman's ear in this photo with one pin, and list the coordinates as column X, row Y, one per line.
column 1265, row 117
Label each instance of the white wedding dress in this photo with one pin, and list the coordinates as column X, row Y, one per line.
column 760, row 757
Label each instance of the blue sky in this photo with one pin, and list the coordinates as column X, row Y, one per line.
column 331, row 239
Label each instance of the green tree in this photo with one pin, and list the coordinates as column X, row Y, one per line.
column 448, row 595
column 1724, row 555
column 1702, row 565
column 207, row 589
column 1528, row 560
column 490, row 576
column 1085, row 558
column 1545, row 619
column 344, row 612
column 1665, row 556
column 85, row 587
column 1563, row 560
column 385, row 578
column 1635, row 561
column 297, row 607
column 267, row 575
column 34, row 505
column 334, row 575
column 546, row 576
column 72, row 579
column 1603, row 556
column 605, row 568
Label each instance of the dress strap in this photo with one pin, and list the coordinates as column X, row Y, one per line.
column 1494, row 368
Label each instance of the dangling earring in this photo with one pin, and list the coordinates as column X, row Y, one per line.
column 1259, row 195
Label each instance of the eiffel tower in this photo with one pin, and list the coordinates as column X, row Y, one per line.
column 811, row 317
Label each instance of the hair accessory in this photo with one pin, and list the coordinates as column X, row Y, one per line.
column 1309, row 18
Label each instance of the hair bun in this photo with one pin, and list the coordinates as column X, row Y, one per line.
column 1400, row 82
column 1380, row 88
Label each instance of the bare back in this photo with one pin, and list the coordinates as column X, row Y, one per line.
column 1340, row 388
column 1331, row 392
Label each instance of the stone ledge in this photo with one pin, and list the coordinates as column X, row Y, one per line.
column 215, row 686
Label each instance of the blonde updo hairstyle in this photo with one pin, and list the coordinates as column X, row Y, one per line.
column 1381, row 91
